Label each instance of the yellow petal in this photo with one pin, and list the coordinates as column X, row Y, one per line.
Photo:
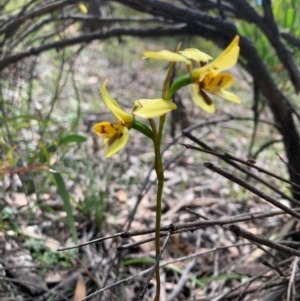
column 215, row 83
column 113, row 106
column 203, row 101
column 107, row 129
column 82, row 8
column 166, row 55
column 116, row 142
column 228, row 96
column 196, row 55
column 115, row 136
column 229, row 56
column 227, row 59
column 150, row 108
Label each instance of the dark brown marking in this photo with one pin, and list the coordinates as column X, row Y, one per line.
column 206, row 98
column 103, row 131
column 202, row 63
column 112, row 139
column 219, row 84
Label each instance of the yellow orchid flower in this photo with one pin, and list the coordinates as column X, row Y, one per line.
column 115, row 135
column 184, row 56
column 167, row 56
column 82, row 8
column 151, row 108
column 208, row 79
column 196, row 55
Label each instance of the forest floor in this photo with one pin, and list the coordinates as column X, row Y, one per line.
column 109, row 196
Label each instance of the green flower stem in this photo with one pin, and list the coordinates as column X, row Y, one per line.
column 143, row 128
column 179, row 82
column 159, row 168
column 158, row 164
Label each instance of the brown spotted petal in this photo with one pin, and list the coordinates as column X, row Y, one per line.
column 115, row 136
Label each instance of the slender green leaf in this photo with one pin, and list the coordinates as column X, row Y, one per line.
column 62, row 190
column 72, row 138
column 26, row 117
column 290, row 14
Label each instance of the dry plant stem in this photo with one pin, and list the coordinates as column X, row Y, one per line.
column 240, row 296
column 86, row 38
column 154, row 267
column 251, row 188
column 291, row 285
column 239, row 232
column 247, row 172
column 192, row 226
column 267, row 253
column 183, row 279
column 162, row 265
column 137, row 243
column 185, row 275
column 258, row 245
column 179, row 228
column 259, row 289
column 250, row 280
column 274, row 267
column 245, row 162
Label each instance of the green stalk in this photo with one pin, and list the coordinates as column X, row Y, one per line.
column 179, row 82
column 143, row 128
column 159, row 168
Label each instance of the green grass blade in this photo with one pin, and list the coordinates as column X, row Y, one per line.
column 72, row 138
column 62, row 190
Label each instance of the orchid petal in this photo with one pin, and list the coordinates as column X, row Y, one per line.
column 166, row 55
column 115, row 137
column 150, row 108
column 213, row 84
column 227, row 59
column 116, row 142
column 196, row 55
column 106, row 129
column 228, row 96
column 202, row 99
column 113, row 106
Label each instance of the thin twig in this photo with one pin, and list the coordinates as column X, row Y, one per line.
column 182, row 227
column 154, row 266
column 273, row 266
column 185, row 275
column 229, row 159
column 239, row 232
column 251, row 188
column 292, row 281
column 184, row 258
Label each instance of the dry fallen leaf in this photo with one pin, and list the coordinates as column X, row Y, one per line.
column 121, row 195
column 80, row 290
column 18, row 200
